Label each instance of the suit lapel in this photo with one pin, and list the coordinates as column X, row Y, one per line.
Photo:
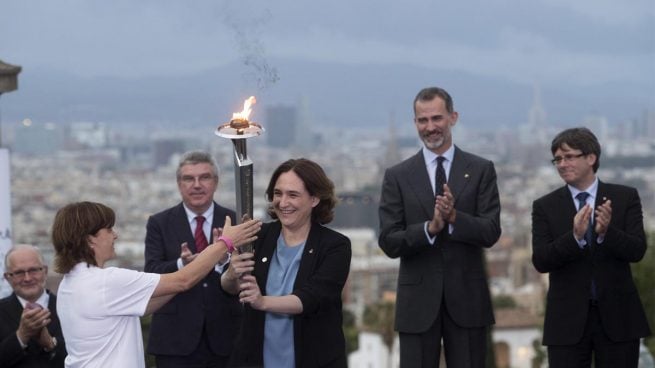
column 566, row 202
column 16, row 309
column 308, row 260
column 182, row 227
column 459, row 176
column 419, row 180
column 601, row 194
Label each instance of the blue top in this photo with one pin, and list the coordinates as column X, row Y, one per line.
column 278, row 328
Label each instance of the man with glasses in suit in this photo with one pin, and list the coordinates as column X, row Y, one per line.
column 30, row 333
column 585, row 235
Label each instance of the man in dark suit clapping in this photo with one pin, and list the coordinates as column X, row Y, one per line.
column 30, row 332
column 585, row 235
column 439, row 210
column 197, row 328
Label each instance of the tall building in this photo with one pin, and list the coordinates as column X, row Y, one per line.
column 357, row 210
column 305, row 137
column 281, row 126
column 164, row 148
column 536, row 129
column 392, row 151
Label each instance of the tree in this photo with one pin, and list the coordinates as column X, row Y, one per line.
column 350, row 331
column 379, row 318
column 642, row 273
column 503, row 301
column 145, row 332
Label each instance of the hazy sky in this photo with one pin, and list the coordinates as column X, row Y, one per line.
column 588, row 56
column 558, row 41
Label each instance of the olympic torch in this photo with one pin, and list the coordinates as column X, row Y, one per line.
column 238, row 130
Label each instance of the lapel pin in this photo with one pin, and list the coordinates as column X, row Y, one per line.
column 466, row 175
column 264, row 259
column 311, row 251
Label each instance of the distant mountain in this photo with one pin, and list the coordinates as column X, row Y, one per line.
column 343, row 95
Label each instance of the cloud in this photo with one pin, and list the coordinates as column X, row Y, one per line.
column 518, row 55
column 632, row 13
column 558, row 41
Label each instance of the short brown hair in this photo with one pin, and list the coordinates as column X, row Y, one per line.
column 430, row 93
column 316, row 183
column 73, row 224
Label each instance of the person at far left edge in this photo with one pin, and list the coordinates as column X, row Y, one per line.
column 30, row 331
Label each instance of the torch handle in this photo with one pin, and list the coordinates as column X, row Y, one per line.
column 243, row 182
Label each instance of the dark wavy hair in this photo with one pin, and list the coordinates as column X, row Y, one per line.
column 316, row 183
column 578, row 138
column 74, row 223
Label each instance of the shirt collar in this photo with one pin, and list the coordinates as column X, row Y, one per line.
column 592, row 190
column 192, row 215
column 43, row 300
column 430, row 156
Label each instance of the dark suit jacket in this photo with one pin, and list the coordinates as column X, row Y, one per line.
column 453, row 268
column 570, row 268
column 177, row 327
column 12, row 354
column 318, row 333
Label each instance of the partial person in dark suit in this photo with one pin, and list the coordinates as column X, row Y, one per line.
column 197, row 328
column 293, row 315
column 30, row 333
column 585, row 235
column 439, row 210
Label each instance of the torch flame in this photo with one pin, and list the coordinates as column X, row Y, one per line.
column 247, row 104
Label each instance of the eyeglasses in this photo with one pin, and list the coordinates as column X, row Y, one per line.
column 20, row 274
column 566, row 158
column 203, row 179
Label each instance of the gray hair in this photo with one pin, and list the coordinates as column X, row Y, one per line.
column 23, row 247
column 196, row 157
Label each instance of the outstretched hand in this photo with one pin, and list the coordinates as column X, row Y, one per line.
column 243, row 233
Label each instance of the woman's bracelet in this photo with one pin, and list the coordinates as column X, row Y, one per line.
column 228, row 243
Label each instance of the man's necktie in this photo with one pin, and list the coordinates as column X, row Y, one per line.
column 199, row 235
column 439, row 177
column 588, row 236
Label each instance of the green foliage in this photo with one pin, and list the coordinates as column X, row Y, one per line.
column 379, row 318
column 490, row 360
column 539, row 358
column 504, row 301
column 642, row 273
column 350, row 331
column 145, row 331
